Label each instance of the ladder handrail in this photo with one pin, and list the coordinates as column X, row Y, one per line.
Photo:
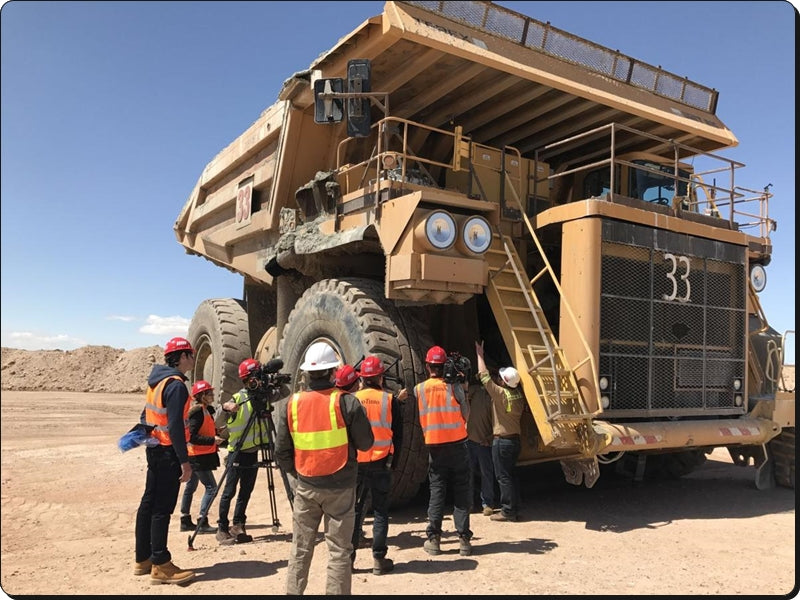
column 562, row 298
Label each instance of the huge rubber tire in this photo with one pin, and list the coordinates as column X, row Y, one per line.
column 221, row 340
column 356, row 319
column 782, row 449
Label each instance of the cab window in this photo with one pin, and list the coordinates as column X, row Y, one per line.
column 652, row 187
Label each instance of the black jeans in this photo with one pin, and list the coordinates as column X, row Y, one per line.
column 243, row 471
column 449, row 466
column 157, row 505
column 505, row 452
column 376, row 479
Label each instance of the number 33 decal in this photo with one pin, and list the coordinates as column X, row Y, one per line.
column 684, row 277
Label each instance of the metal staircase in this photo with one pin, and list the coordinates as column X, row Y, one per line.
column 547, row 379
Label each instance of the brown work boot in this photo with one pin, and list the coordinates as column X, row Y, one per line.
column 142, row 568
column 240, row 534
column 224, row 536
column 169, row 573
column 431, row 545
column 382, row 565
column 487, row 511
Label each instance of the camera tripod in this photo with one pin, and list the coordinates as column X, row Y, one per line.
column 260, row 418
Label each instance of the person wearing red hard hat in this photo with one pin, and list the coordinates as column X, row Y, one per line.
column 508, row 404
column 244, row 446
column 166, row 411
column 443, row 413
column 374, row 465
column 203, row 456
column 346, row 379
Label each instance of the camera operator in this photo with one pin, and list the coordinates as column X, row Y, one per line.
column 235, row 414
column 443, row 414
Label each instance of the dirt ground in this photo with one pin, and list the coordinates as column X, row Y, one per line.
column 69, row 499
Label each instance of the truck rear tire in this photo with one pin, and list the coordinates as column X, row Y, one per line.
column 782, row 449
column 221, row 340
column 354, row 316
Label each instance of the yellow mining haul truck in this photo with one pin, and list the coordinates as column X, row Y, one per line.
column 451, row 172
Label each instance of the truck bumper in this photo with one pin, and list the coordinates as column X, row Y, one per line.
column 685, row 434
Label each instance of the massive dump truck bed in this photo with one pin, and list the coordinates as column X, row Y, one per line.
column 505, row 78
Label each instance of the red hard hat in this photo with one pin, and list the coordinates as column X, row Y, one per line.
column 371, row 367
column 436, row 355
column 200, row 386
column 247, row 366
column 177, row 344
column 345, row 376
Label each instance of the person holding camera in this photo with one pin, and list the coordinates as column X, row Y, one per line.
column 319, row 432
column 203, row 457
column 508, row 403
column 443, row 414
column 243, row 451
column 375, row 465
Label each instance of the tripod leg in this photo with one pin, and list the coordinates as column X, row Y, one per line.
column 266, row 461
column 220, row 485
column 287, row 486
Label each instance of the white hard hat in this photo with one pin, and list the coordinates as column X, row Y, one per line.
column 319, row 357
column 510, row 375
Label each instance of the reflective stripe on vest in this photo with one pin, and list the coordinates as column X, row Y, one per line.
column 378, row 405
column 257, row 436
column 439, row 412
column 319, row 436
column 206, row 429
column 155, row 412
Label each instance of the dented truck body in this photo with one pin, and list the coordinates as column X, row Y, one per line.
column 451, row 172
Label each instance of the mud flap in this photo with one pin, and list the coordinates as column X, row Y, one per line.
column 765, row 468
column 584, row 470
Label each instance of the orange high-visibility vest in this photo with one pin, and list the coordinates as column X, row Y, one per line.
column 439, row 412
column 319, row 435
column 155, row 412
column 378, row 405
column 207, row 429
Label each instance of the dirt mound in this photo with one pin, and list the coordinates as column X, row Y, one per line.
column 87, row 369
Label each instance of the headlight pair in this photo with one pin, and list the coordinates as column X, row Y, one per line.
column 441, row 231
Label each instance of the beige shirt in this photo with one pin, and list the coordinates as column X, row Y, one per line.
column 507, row 406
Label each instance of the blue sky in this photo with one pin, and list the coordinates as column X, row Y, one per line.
column 111, row 110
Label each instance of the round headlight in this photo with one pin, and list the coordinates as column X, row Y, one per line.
column 605, row 401
column 476, row 235
column 603, row 383
column 440, row 229
column 758, row 277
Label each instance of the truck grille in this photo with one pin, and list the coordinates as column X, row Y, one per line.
column 673, row 322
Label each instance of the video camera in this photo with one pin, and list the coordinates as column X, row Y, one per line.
column 457, row 368
column 265, row 384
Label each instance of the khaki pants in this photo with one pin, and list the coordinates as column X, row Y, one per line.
column 336, row 507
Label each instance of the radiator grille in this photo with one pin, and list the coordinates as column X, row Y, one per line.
column 672, row 322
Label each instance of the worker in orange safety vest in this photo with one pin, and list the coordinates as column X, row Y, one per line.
column 319, row 433
column 375, row 465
